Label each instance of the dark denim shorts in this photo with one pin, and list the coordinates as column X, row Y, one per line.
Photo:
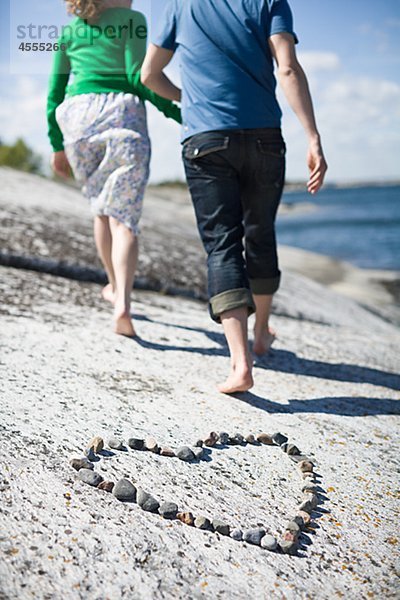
column 236, row 179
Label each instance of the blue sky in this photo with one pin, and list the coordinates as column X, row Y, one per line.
column 349, row 49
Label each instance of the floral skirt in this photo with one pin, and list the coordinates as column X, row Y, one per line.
column 107, row 145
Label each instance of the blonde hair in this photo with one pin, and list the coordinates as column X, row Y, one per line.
column 85, row 9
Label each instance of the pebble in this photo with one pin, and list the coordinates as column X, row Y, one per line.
column 298, row 519
column 313, row 498
column 223, row 437
column 254, row 536
column 293, row 527
column 236, row 440
column 199, row 444
column 288, row 547
column 125, row 491
column 81, row 463
column 237, row 534
column 268, row 542
column 136, row 443
column 298, row 458
column 211, row 439
column 185, row 453
column 265, row 438
column 250, row 439
column 279, row 439
column 306, row 466
column 151, row 445
column 293, row 450
column 146, row 501
column 306, row 517
column 310, row 488
column 186, row 517
column 306, row 506
column 115, row 444
column 168, row 510
column 198, row 453
column 90, row 454
column 90, row 477
column 221, row 527
column 203, row 523
column 107, row 486
column 167, row 452
column 97, row 443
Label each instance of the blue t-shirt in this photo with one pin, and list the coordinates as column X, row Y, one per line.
column 226, row 65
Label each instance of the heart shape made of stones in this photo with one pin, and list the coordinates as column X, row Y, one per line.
column 125, row 491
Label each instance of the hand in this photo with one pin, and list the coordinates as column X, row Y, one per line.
column 60, row 164
column 317, row 166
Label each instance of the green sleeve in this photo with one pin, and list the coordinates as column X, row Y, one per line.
column 135, row 51
column 56, row 93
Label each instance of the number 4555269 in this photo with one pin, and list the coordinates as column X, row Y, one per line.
column 40, row 46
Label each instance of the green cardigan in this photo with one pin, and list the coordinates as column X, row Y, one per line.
column 104, row 57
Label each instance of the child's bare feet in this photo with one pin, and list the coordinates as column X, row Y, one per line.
column 263, row 341
column 123, row 322
column 108, row 293
column 239, row 380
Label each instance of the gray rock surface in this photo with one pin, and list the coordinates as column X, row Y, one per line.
column 268, row 542
column 331, row 384
column 185, row 453
column 168, row 510
column 115, row 444
column 254, row 535
column 90, row 477
column 220, row 527
column 81, row 463
column 203, row 523
column 125, row 491
column 146, row 501
column 237, row 535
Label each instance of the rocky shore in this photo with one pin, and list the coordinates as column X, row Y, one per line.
column 330, row 385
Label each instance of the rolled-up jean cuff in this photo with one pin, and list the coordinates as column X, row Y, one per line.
column 262, row 287
column 230, row 300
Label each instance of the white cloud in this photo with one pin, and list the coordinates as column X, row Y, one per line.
column 166, row 163
column 359, row 120
column 22, row 112
column 319, row 61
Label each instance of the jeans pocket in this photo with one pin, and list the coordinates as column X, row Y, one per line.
column 270, row 172
column 274, row 149
column 204, row 144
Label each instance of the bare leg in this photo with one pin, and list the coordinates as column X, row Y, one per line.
column 235, row 327
column 264, row 336
column 103, row 239
column 124, row 259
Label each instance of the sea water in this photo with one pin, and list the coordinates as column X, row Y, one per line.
column 360, row 225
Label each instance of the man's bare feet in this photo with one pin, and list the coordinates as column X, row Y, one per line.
column 123, row 323
column 108, row 293
column 263, row 341
column 238, row 381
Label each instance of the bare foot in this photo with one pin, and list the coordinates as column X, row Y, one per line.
column 238, row 381
column 108, row 293
column 263, row 342
column 123, row 323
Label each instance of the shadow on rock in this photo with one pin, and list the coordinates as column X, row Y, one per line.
column 288, row 362
column 350, row 406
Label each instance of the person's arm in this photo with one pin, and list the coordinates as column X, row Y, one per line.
column 295, row 86
column 135, row 51
column 153, row 75
column 56, row 93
